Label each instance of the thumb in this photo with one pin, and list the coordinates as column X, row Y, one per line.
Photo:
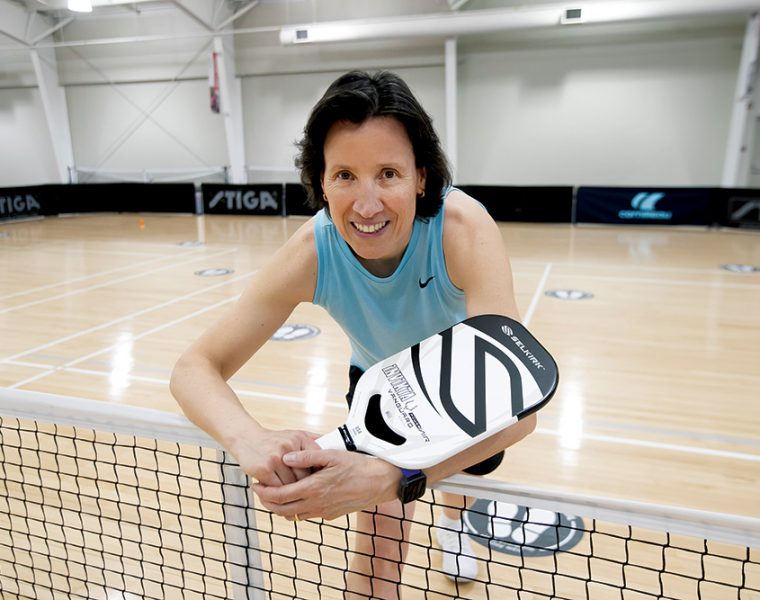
column 307, row 459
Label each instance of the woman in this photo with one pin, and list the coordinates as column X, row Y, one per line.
column 395, row 255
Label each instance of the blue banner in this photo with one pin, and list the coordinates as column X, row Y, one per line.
column 644, row 206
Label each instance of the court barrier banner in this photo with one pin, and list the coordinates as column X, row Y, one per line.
column 126, row 197
column 645, row 206
column 532, row 204
column 295, row 201
column 257, row 199
column 25, row 203
column 738, row 207
column 55, row 199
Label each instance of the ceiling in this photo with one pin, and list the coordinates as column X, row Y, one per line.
column 31, row 22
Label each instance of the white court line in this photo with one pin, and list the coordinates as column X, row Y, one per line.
column 743, row 456
column 165, row 383
column 657, row 445
column 85, row 277
column 297, row 399
column 139, row 313
column 537, row 295
column 623, row 266
column 139, row 336
column 112, row 282
column 630, row 279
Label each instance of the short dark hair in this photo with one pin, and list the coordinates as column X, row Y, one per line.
column 355, row 97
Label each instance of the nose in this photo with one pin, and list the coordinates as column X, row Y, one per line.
column 368, row 203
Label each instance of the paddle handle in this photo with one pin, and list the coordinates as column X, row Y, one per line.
column 337, row 439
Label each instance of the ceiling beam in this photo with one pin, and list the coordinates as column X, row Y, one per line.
column 14, row 21
column 25, row 27
column 237, row 14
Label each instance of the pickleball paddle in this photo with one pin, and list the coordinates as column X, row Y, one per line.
column 448, row 392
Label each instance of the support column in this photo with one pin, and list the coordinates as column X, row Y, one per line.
column 451, row 104
column 56, row 111
column 739, row 150
column 231, row 98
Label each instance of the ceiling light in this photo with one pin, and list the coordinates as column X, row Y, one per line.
column 80, row 5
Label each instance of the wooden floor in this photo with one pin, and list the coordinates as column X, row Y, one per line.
column 657, row 341
column 659, row 396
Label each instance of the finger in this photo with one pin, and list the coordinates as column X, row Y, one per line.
column 308, row 459
column 288, row 510
column 286, row 475
column 281, row 499
column 301, row 473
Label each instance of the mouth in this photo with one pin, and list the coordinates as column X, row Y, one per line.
column 369, row 228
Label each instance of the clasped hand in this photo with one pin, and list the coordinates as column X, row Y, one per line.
column 311, row 482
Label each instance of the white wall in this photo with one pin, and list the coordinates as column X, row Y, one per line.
column 26, row 153
column 136, row 126
column 276, row 108
column 633, row 114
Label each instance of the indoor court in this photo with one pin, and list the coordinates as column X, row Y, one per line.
column 156, row 154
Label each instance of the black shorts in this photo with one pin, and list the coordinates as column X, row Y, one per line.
column 482, row 468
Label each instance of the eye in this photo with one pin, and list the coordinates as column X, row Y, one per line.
column 389, row 174
column 343, row 175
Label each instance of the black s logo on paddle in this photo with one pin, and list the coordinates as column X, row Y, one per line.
column 482, row 347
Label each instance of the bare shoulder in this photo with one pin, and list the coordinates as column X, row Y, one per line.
column 303, row 238
column 464, row 219
column 292, row 270
column 476, row 257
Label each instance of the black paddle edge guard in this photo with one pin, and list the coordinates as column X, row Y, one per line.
column 527, row 348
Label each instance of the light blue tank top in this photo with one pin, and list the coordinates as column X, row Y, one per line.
column 383, row 315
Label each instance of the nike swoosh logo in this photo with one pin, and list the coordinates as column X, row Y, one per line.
column 422, row 285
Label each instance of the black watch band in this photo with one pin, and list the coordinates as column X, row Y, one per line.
column 412, row 485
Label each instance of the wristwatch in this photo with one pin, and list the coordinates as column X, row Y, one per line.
column 412, row 485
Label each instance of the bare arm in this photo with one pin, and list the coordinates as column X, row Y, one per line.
column 199, row 379
column 477, row 262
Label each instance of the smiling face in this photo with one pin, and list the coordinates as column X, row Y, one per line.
column 371, row 184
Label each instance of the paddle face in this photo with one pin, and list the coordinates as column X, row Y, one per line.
column 450, row 391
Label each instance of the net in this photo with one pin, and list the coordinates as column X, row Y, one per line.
column 112, row 502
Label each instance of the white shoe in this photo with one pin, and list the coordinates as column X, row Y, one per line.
column 459, row 559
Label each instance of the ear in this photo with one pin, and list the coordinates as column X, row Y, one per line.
column 322, row 185
column 421, row 179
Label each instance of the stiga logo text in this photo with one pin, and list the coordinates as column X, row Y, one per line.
column 644, row 207
column 239, row 200
column 18, row 205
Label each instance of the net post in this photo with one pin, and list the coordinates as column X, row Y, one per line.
column 242, row 549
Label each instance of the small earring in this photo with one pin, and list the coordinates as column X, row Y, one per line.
column 422, row 194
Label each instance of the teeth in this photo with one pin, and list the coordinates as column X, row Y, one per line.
column 370, row 228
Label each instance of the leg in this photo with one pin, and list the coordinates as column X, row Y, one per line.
column 453, row 505
column 459, row 559
column 379, row 552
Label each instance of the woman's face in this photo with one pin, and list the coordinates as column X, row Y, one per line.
column 371, row 184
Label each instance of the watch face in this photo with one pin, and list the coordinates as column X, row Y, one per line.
column 412, row 486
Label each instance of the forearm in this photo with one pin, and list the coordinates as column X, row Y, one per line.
column 344, row 482
column 209, row 402
column 483, row 450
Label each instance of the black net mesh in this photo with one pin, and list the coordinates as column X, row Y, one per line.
column 85, row 514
